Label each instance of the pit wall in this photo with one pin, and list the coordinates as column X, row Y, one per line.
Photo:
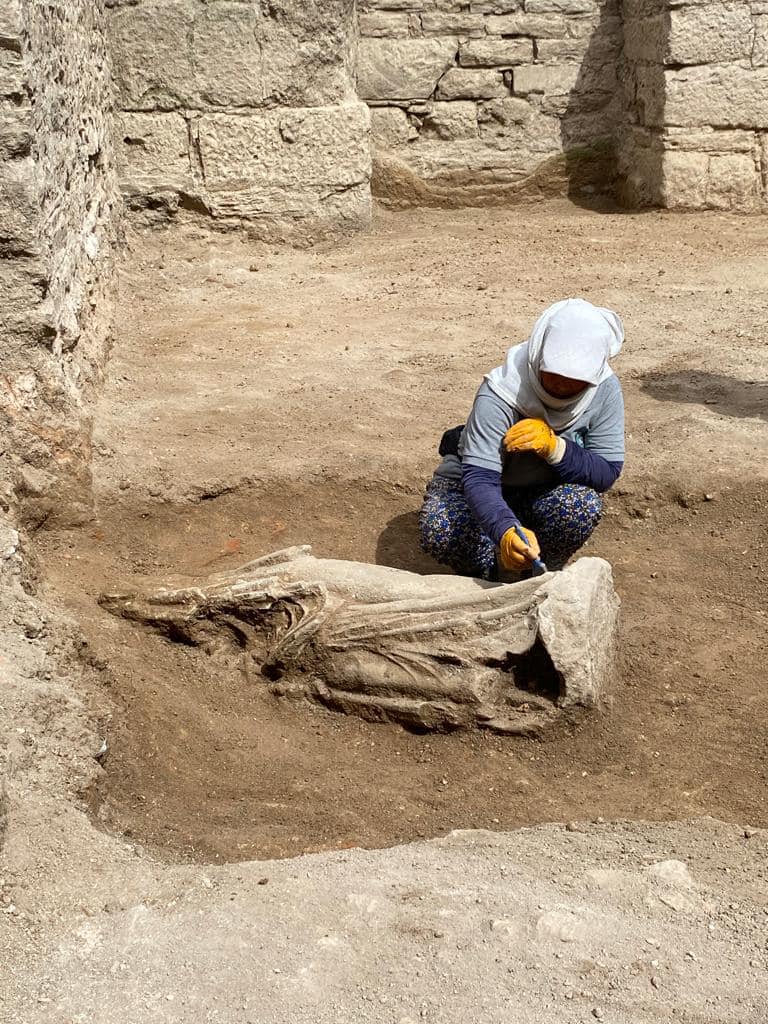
column 697, row 87
column 474, row 101
column 58, row 208
column 244, row 110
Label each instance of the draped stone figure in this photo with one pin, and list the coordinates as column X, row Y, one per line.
column 431, row 652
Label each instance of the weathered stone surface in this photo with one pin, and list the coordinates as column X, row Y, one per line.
column 462, row 83
column 734, row 182
column 685, row 180
column 152, row 55
column 386, row 24
column 438, row 23
column 710, row 140
column 728, row 95
column 760, row 49
column 709, row 33
column 58, row 208
column 503, row 53
column 303, row 165
column 153, row 152
column 540, row 26
column 645, row 39
column 540, row 78
column 435, row 652
column 391, row 127
column 448, row 121
column 227, row 55
column 561, row 6
column 394, row 69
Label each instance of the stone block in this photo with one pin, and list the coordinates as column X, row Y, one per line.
column 449, row 121
column 569, row 51
column 561, row 6
column 540, row 26
column 385, row 24
column 710, row 140
column 391, row 127
column 10, row 25
column 646, row 39
column 307, row 53
column 15, row 133
column 727, row 95
column 760, row 49
column 437, row 23
column 685, row 177
column 714, row 32
column 19, row 208
column 541, row 78
column 734, row 182
column 495, row 6
column 501, row 53
column 12, row 76
column 461, row 83
column 152, row 152
column 402, row 69
column 252, row 164
column 152, row 55
column 227, row 55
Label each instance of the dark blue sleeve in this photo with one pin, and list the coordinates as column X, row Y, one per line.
column 579, row 466
column 482, row 489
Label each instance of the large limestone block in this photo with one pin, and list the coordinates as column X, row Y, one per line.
column 283, row 163
column 466, row 84
column 228, row 55
column 402, row 69
column 489, row 53
column 310, row 146
column 539, row 26
column 440, row 23
column 152, row 55
column 540, row 78
column 12, row 76
column 448, row 121
column 734, row 182
column 436, row 652
column 561, row 6
column 705, row 33
column 727, row 95
column 385, row 24
column 152, row 152
column 391, row 127
column 685, row 180
column 307, row 52
column 760, row 49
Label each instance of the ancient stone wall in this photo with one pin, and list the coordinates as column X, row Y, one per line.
column 242, row 109
column 58, row 203
column 697, row 133
column 479, row 98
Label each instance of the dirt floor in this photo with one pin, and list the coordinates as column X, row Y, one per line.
column 259, row 398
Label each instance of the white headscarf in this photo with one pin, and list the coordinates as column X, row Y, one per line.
column 572, row 338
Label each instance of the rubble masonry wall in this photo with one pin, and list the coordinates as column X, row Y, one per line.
column 58, row 209
column 246, row 111
column 479, row 98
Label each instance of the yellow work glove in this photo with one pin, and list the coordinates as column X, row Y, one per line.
column 514, row 552
column 531, row 436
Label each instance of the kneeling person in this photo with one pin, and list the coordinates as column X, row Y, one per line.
column 544, row 440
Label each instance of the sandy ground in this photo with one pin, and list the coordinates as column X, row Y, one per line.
column 260, row 397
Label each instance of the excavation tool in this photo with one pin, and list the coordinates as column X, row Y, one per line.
column 537, row 566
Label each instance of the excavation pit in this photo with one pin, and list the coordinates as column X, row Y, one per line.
column 231, row 427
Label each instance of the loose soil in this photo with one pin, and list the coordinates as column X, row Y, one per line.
column 259, row 398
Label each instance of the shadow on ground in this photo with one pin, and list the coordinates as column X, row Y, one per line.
column 398, row 546
column 698, row 387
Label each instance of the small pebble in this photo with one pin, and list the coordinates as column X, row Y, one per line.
column 599, row 1013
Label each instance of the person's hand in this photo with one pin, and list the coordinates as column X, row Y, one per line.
column 515, row 554
column 531, row 436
